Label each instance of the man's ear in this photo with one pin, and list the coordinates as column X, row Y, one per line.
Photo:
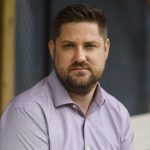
column 107, row 46
column 51, row 48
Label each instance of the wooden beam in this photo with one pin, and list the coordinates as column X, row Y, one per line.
column 8, row 52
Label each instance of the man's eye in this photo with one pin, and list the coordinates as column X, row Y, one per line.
column 90, row 46
column 67, row 46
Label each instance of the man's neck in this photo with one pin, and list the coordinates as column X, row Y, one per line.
column 84, row 101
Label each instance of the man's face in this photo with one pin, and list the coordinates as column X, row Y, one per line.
column 79, row 55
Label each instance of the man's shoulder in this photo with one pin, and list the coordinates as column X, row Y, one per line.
column 114, row 105
column 40, row 93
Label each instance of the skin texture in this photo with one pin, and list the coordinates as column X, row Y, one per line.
column 79, row 55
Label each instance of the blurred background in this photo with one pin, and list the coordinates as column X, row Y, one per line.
column 25, row 28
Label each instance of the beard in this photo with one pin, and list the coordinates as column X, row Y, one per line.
column 78, row 83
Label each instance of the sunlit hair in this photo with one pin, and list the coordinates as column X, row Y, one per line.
column 79, row 13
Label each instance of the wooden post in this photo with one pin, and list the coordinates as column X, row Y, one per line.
column 7, row 46
column 1, row 4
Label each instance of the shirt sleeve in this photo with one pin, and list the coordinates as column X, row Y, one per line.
column 22, row 128
column 127, row 132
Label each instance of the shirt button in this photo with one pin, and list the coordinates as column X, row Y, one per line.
column 74, row 106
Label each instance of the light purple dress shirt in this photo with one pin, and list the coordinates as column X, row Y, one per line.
column 45, row 118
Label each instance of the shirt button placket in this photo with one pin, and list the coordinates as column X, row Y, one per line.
column 86, row 138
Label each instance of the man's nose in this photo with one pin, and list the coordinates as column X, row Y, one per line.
column 80, row 55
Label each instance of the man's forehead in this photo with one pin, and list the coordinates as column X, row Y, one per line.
column 71, row 27
column 82, row 31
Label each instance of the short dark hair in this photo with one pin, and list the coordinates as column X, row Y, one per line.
column 79, row 13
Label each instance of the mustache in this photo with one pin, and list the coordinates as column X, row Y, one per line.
column 76, row 64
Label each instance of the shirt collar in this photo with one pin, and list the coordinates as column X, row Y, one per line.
column 99, row 98
column 61, row 96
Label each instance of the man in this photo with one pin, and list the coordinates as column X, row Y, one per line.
column 68, row 110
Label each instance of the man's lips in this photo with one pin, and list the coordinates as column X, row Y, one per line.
column 79, row 68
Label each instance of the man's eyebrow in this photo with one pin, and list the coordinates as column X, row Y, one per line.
column 91, row 42
column 67, row 41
